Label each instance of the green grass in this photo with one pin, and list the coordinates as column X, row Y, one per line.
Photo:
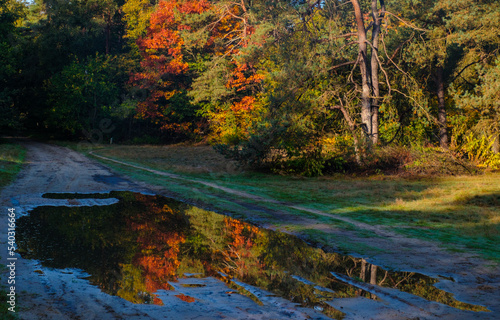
column 11, row 160
column 462, row 212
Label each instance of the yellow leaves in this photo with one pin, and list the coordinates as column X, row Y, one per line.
column 167, row 210
column 169, row 94
column 329, row 141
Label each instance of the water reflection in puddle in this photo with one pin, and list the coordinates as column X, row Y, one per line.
column 143, row 244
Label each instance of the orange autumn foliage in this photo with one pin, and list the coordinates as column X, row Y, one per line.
column 238, row 255
column 232, row 28
column 236, row 120
column 159, row 248
column 185, row 298
column 163, row 61
column 166, row 73
column 244, row 77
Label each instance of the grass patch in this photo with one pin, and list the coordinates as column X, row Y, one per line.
column 11, row 161
column 458, row 211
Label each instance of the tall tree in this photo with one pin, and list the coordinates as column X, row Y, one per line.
column 369, row 65
column 460, row 35
column 164, row 75
column 54, row 34
column 10, row 13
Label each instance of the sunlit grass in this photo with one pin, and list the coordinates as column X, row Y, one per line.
column 459, row 211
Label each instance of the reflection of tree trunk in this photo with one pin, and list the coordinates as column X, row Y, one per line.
column 373, row 278
column 443, row 135
column 362, row 275
column 373, row 274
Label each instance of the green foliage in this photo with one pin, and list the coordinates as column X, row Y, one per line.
column 296, row 93
column 10, row 13
column 85, row 93
column 477, row 135
column 478, row 149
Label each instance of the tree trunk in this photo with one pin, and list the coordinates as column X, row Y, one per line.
column 496, row 136
column 108, row 33
column 364, row 67
column 443, row 134
column 377, row 20
column 352, row 128
column 496, row 145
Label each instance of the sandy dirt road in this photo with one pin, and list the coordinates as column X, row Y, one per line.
column 44, row 293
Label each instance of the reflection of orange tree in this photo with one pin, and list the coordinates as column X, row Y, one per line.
column 241, row 253
column 160, row 233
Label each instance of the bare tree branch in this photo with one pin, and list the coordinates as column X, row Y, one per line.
column 341, row 65
column 404, row 22
column 380, row 66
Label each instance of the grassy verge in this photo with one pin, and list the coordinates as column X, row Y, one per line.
column 462, row 212
column 11, row 160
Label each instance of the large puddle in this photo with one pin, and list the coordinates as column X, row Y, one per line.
column 139, row 245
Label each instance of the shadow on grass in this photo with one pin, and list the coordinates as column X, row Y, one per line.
column 486, row 200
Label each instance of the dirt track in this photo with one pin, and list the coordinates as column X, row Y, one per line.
column 51, row 294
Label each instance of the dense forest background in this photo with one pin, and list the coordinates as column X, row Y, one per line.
column 299, row 86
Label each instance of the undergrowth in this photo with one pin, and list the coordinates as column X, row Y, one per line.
column 413, row 161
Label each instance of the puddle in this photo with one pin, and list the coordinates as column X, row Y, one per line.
column 145, row 243
column 112, row 180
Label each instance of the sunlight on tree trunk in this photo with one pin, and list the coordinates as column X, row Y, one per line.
column 364, row 67
column 440, row 91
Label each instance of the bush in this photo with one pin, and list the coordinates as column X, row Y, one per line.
column 411, row 161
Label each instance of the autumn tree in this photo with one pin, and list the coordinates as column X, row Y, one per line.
column 306, row 56
column 369, row 65
column 165, row 68
column 227, row 81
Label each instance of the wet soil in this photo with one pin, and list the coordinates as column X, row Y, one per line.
column 48, row 293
